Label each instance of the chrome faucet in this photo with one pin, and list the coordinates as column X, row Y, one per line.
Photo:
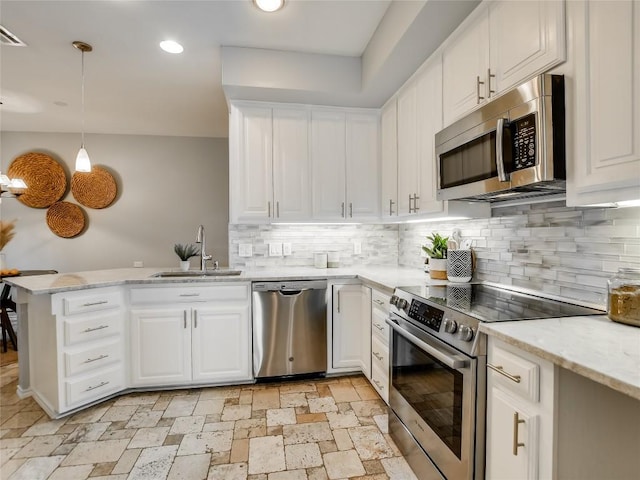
column 200, row 238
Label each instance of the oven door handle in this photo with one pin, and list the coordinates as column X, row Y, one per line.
column 449, row 361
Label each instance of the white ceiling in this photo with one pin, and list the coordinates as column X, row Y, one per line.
column 133, row 87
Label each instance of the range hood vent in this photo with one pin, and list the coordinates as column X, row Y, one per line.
column 9, row 39
column 524, row 193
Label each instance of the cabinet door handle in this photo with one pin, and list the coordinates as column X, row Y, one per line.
column 278, row 209
column 489, row 77
column 101, row 327
column 338, row 301
column 500, row 370
column 516, row 422
column 101, row 384
column 92, row 304
column 189, row 294
column 377, row 355
column 89, row 360
column 351, row 209
column 415, row 202
column 478, row 83
column 195, row 319
column 391, row 204
column 410, row 199
column 343, row 210
column 184, row 319
column 269, row 209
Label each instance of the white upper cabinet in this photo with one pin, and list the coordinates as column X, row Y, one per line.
column 408, row 167
column 345, row 165
column 500, row 45
column 269, row 168
column 363, row 166
column 291, row 165
column 389, row 160
column 328, row 160
column 603, row 127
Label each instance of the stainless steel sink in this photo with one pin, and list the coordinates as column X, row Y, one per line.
column 198, row 273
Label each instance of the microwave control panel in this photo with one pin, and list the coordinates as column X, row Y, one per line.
column 523, row 137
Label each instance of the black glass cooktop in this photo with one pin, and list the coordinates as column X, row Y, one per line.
column 493, row 304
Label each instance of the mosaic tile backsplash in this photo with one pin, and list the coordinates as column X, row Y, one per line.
column 569, row 252
column 379, row 244
column 548, row 247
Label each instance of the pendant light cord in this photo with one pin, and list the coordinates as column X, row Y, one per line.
column 82, row 51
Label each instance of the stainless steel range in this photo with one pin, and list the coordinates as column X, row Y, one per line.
column 438, row 362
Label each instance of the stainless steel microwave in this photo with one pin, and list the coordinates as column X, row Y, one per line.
column 512, row 147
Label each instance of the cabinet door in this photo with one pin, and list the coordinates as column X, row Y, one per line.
column 291, row 166
column 429, row 122
column 253, row 176
column 352, row 327
column 408, row 178
column 508, row 426
column 464, row 60
column 160, row 346
column 389, row 160
column 526, row 38
column 221, row 344
column 363, row 166
column 604, row 133
column 328, row 165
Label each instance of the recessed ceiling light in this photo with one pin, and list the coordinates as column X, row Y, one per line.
column 171, row 47
column 269, row 5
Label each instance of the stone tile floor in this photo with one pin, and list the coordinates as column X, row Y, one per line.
column 332, row 428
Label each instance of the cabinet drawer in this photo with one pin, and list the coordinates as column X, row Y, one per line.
column 190, row 293
column 93, row 387
column 380, row 300
column 379, row 353
column 516, row 373
column 379, row 326
column 380, row 381
column 78, row 361
column 75, row 304
column 94, row 327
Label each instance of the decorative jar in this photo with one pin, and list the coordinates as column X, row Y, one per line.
column 623, row 296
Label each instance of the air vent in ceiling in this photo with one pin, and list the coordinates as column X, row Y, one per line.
column 9, row 39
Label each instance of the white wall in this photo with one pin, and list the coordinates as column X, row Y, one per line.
column 167, row 186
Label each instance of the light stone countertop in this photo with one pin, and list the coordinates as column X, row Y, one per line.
column 593, row 346
column 385, row 278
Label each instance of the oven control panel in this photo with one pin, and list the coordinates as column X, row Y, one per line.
column 425, row 314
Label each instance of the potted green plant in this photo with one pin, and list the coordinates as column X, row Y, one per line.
column 437, row 254
column 185, row 252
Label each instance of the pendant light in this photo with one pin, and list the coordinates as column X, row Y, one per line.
column 83, row 163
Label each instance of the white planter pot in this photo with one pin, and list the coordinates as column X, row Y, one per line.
column 438, row 268
column 184, row 265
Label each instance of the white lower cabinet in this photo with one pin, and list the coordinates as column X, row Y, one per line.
column 207, row 342
column 351, row 328
column 380, row 343
column 520, row 414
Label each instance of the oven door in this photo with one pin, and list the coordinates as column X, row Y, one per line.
column 433, row 392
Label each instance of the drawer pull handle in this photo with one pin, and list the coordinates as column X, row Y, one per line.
column 101, row 327
column 516, row 423
column 89, row 360
column 377, row 355
column 93, row 304
column 379, row 302
column 379, row 327
column 380, row 386
column 500, row 370
column 195, row 319
column 101, row 384
column 189, row 294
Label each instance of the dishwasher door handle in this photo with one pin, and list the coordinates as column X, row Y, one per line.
column 291, row 293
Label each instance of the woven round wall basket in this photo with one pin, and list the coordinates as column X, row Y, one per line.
column 94, row 189
column 65, row 219
column 45, row 178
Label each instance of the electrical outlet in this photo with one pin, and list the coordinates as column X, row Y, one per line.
column 357, row 247
column 245, row 250
column 286, row 249
column 275, row 249
column 138, row 264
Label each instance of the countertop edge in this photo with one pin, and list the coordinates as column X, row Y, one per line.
column 598, row 376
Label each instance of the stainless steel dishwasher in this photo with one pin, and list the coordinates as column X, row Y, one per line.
column 289, row 328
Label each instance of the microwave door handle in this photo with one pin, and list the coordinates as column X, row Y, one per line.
column 449, row 361
column 502, row 175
